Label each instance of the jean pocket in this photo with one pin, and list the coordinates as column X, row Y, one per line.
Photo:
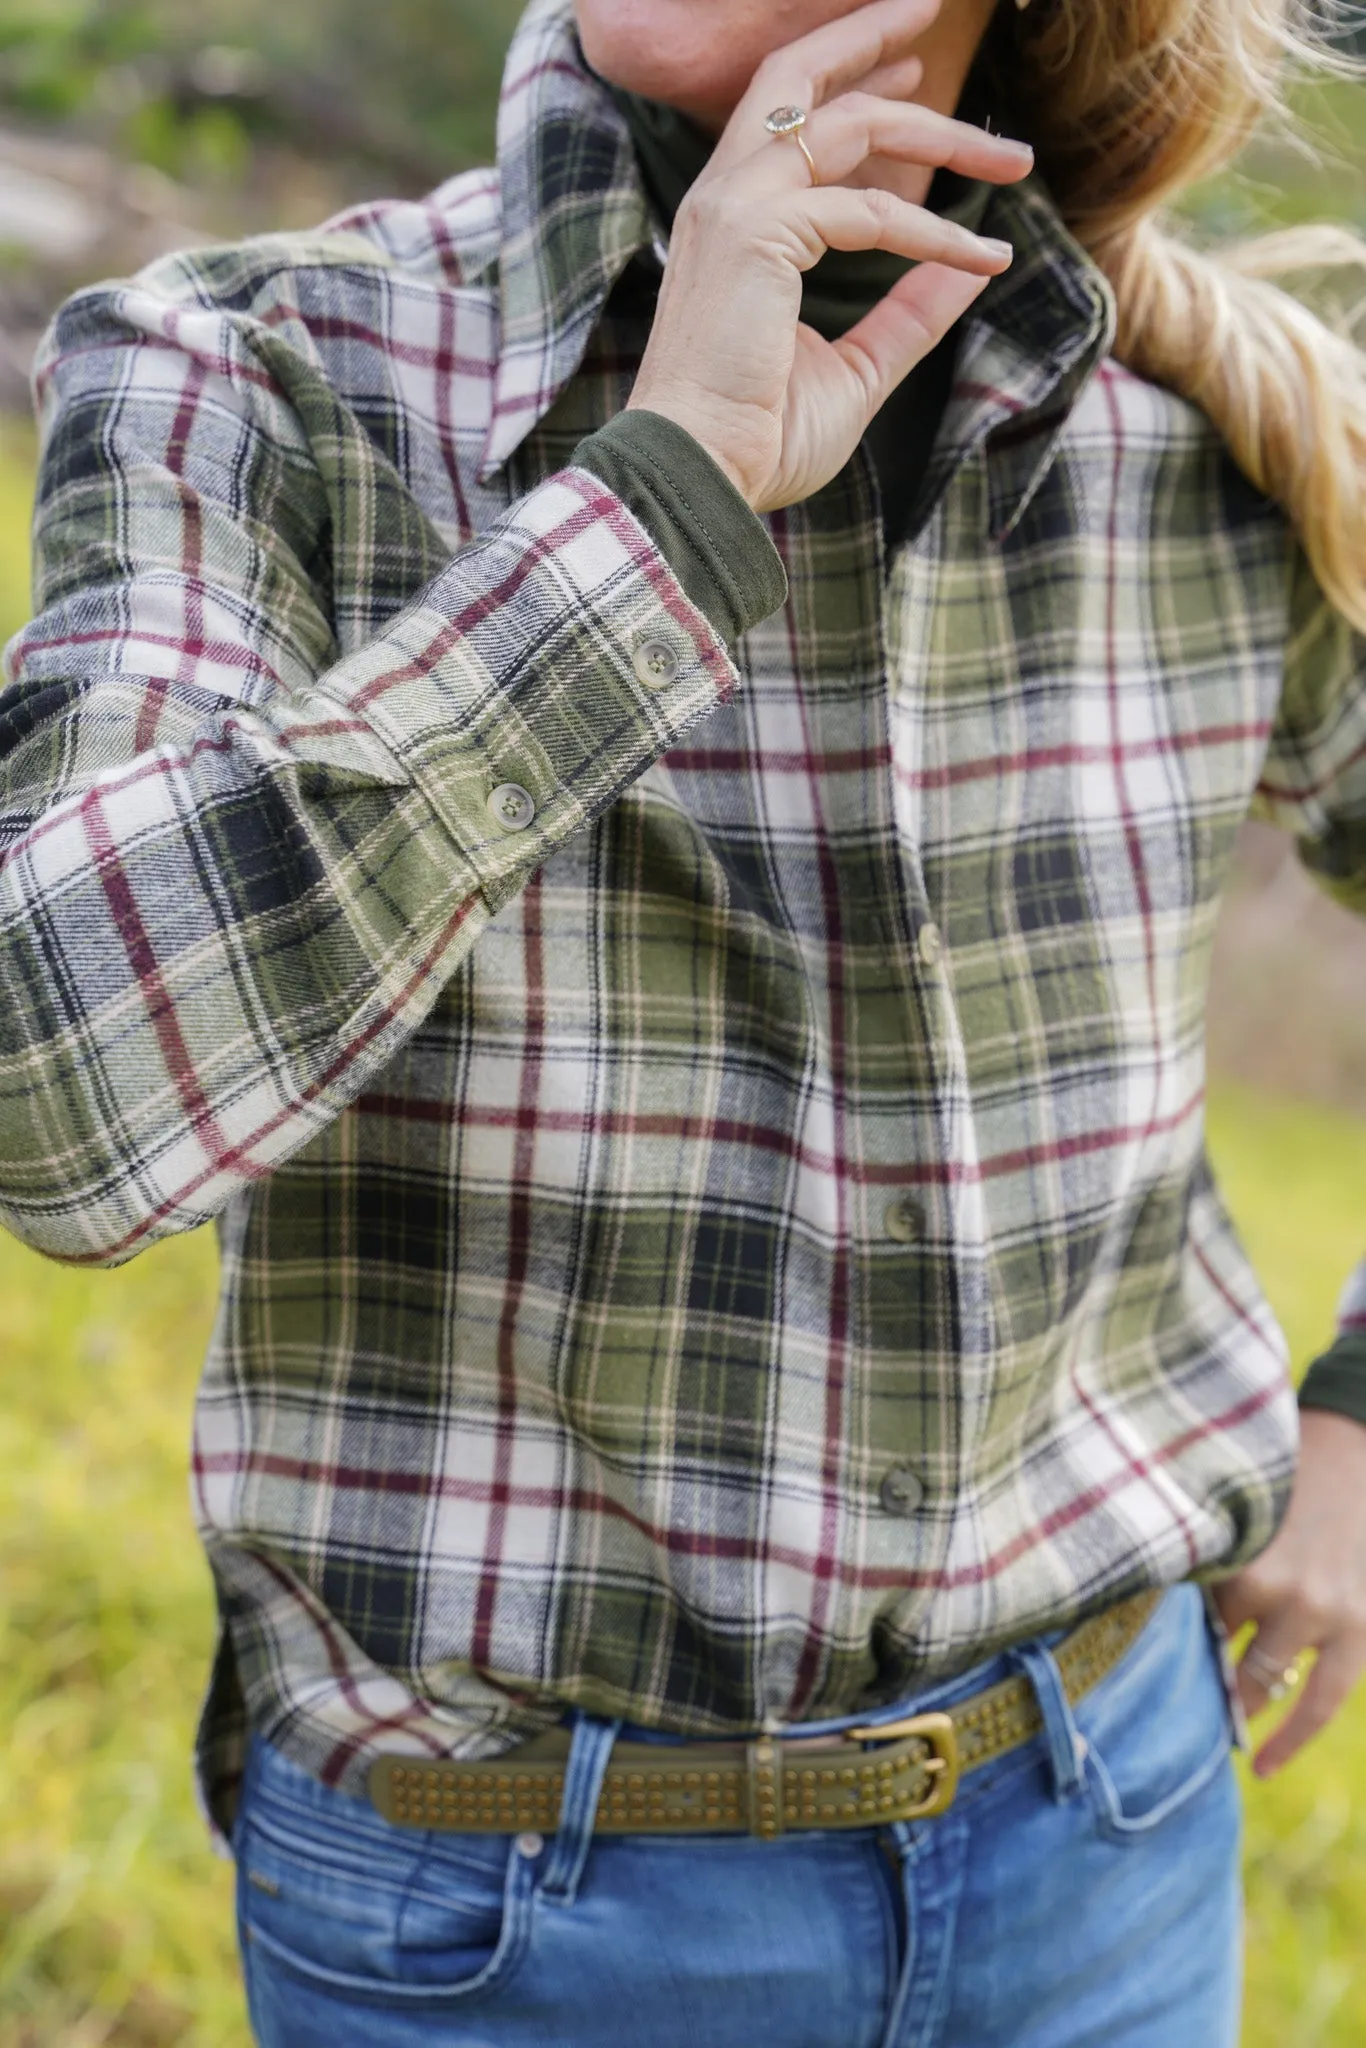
column 1157, row 1730
column 340, row 1901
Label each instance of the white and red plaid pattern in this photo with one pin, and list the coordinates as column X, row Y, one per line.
column 741, row 1245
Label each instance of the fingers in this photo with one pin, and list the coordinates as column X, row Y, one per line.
column 837, row 217
column 830, row 59
column 775, row 183
column 1326, row 1690
column 902, row 329
column 1307, row 1590
column 892, row 81
column 1267, row 1667
column 839, row 53
column 1237, row 1600
column 843, row 135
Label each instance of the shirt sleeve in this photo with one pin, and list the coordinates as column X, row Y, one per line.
column 1313, row 784
column 1313, row 780
column 1337, row 1379
column 272, row 756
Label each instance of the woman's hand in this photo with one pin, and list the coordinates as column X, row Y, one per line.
column 777, row 407
column 1307, row 1590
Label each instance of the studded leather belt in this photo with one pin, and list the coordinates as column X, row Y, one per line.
column 766, row 1787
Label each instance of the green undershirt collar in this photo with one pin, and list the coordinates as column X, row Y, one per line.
column 673, row 151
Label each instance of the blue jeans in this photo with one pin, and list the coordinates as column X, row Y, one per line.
column 1082, row 1892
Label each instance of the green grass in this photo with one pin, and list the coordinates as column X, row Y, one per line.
column 1285, row 177
column 16, row 468
column 115, row 1921
column 112, row 1911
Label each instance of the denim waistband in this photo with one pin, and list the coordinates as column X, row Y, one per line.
column 594, row 1738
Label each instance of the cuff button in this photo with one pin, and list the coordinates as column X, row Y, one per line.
column 655, row 664
column 511, row 806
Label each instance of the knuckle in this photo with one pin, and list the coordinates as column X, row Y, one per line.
column 773, row 71
column 712, row 207
column 882, row 204
column 1319, row 1606
column 1264, row 1584
column 956, row 242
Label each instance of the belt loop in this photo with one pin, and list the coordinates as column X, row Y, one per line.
column 1066, row 1743
column 590, row 1750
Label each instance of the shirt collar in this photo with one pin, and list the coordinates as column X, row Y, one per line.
column 1031, row 343
column 574, row 213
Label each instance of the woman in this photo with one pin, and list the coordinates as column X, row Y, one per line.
column 732, row 1368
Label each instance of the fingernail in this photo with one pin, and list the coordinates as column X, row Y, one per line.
column 1022, row 148
column 996, row 248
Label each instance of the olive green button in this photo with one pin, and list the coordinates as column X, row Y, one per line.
column 905, row 1219
column 930, row 945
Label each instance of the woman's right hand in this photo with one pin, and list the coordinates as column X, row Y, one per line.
column 778, row 408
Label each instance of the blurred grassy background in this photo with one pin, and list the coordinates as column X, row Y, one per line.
column 115, row 1922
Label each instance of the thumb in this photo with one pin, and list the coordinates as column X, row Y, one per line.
column 904, row 326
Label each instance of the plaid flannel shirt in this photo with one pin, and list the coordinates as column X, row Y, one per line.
column 740, row 1243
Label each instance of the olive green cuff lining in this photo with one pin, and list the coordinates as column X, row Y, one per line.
column 1337, row 1380
column 717, row 548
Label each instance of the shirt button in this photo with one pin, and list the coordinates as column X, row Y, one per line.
column 511, row 806
column 655, row 664
column 905, row 1219
column 901, row 1492
column 929, row 944
column 530, row 1846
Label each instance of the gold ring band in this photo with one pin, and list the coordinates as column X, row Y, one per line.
column 1276, row 1680
column 785, row 121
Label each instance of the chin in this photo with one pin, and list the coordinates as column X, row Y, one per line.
column 696, row 55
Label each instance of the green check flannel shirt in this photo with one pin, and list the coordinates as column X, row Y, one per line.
column 706, row 1140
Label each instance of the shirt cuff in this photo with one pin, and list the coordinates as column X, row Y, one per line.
column 1337, row 1380
column 717, row 548
column 532, row 682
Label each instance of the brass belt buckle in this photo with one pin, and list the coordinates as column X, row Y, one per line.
column 941, row 1765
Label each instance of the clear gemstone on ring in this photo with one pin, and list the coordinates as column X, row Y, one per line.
column 785, row 120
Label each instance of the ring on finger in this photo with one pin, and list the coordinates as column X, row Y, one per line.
column 791, row 121
column 1277, row 1680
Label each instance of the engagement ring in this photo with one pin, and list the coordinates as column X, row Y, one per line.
column 791, row 121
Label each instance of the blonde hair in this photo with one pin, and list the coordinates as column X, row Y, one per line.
column 1129, row 101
